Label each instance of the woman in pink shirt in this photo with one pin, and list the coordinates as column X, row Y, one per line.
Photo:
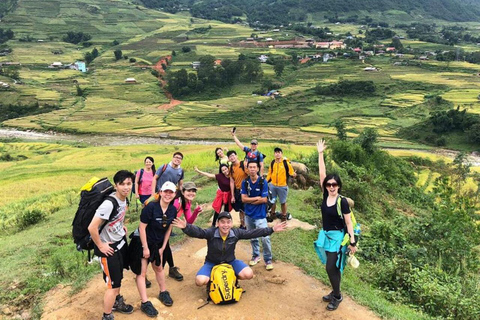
column 143, row 180
column 184, row 204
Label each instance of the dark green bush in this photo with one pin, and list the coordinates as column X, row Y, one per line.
column 30, row 218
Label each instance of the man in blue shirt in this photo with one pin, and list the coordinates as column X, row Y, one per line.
column 254, row 197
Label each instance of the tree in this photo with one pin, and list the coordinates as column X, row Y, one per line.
column 397, row 44
column 253, row 70
column 367, row 139
column 79, row 91
column 118, row 54
column 174, row 53
column 95, row 53
column 186, row 49
column 278, row 67
column 115, row 43
column 341, row 129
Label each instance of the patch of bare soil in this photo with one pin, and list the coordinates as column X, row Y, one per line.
column 283, row 293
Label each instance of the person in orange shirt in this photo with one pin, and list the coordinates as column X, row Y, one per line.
column 278, row 173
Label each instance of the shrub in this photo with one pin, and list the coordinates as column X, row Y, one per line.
column 30, row 218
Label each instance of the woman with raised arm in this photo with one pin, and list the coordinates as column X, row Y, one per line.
column 335, row 225
column 224, row 193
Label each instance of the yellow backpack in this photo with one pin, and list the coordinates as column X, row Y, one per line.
column 223, row 287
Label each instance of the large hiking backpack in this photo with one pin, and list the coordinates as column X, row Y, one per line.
column 257, row 157
column 91, row 197
column 223, row 286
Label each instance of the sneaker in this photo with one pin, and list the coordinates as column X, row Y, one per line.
column 165, row 298
column 148, row 283
column 289, row 216
column 173, row 273
column 328, row 297
column 149, row 309
column 269, row 265
column 108, row 316
column 283, row 218
column 121, row 306
column 254, row 261
column 333, row 305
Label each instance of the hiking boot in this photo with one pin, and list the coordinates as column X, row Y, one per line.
column 121, row 306
column 328, row 297
column 333, row 305
column 149, row 309
column 148, row 283
column 165, row 298
column 173, row 273
column 283, row 217
column 269, row 265
column 254, row 261
column 108, row 316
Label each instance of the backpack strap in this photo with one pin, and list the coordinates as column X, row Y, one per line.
column 287, row 173
column 115, row 208
column 140, row 177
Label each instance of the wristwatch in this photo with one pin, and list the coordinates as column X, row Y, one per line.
column 353, row 244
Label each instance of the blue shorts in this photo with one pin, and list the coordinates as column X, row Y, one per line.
column 206, row 270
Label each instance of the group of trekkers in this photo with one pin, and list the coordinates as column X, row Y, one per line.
column 167, row 202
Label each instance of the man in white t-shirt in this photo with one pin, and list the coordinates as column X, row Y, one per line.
column 108, row 233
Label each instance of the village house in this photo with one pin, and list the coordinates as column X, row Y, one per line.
column 56, row 64
column 130, row 80
column 263, row 58
column 195, row 64
column 390, row 49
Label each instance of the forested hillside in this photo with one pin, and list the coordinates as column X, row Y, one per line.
column 285, row 11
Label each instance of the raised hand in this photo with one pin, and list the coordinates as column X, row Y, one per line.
column 321, row 146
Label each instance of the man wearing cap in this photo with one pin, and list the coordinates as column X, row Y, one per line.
column 251, row 154
column 221, row 243
column 278, row 173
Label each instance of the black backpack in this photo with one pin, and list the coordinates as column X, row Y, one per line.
column 89, row 202
column 139, row 179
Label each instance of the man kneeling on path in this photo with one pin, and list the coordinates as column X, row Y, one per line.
column 221, row 243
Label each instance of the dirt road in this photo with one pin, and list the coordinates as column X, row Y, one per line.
column 284, row 293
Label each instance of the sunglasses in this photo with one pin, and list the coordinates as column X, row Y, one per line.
column 328, row 185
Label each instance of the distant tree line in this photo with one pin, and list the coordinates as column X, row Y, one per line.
column 373, row 35
column 11, row 111
column 6, row 35
column 442, row 123
column 76, row 37
column 347, row 87
column 321, row 33
column 266, row 12
column 211, row 76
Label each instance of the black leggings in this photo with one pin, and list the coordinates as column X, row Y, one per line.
column 215, row 218
column 333, row 272
column 168, row 256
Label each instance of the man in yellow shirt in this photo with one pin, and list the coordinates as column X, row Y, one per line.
column 278, row 173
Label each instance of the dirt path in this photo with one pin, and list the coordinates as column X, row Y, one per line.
column 284, row 293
